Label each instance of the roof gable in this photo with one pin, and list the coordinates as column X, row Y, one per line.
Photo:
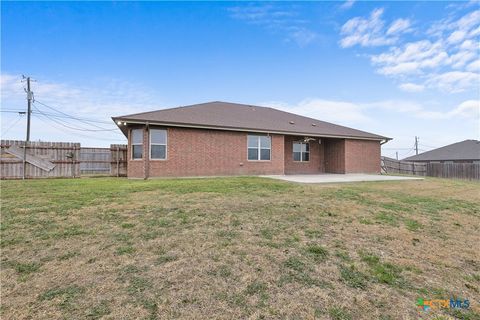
column 233, row 116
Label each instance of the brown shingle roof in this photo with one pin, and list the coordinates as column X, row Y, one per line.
column 464, row 150
column 234, row 116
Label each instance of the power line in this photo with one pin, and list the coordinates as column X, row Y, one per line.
column 57, row 116
column 423, row 145
column 74, row 118
column 43, row 119
column 13, row 124
column 69, row 127
column 84, row 120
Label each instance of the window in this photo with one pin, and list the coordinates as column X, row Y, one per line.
column 259, row 147
column 158, row 144
column 137, row 143
column 301, row 151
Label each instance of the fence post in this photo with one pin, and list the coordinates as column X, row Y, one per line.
column 118, row 161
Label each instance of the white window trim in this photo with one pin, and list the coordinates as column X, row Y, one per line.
column 158, row 144
column 301, row 158
column 136, row 144
column 259, row 148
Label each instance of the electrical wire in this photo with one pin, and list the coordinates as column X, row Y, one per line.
column 13, row 124
column 70, row 127
column 423, row 145
column 70, row 116
column 76, row 134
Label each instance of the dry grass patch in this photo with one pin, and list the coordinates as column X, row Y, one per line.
column 237, row 248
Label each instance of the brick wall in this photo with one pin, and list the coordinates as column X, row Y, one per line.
column 201, row 152
column 352, row 156
column 362, row 156
column 314, row 165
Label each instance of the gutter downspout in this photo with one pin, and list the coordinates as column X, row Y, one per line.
column 146, row 143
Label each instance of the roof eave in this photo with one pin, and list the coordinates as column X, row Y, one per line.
column 198, row 126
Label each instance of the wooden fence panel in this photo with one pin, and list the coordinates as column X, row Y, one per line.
column 118, row 167
column 469, row 171
column 64, row 155
column 403, row 167
column 104, row 161
column 95, row 161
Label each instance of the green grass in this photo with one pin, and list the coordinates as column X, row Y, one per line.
column 383, row 272
column 98, row 311
column 319, row 253
column 239, row 248
column 353, row 278
column 337, row 313
column 26, row 268
column 65, row 295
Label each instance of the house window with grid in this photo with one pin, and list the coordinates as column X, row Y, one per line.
column 137, row 144
column 301, row 151
column 158, row 144
column 259, row 147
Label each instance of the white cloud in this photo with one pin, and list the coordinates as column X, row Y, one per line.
column 474, row 66
column 412, row 87
column 358, row 113
column 347, row 4
column 340, row 112
column 302, row 36
column 279, row 19
column 411, row 58
column 399, row 25
column 366, row 32
column 456, row 36
column 467, row 109
column 454, row 81
column 444, row 59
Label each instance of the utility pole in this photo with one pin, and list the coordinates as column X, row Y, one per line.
column 396, row 153
column 416, row 145
column 29, row 112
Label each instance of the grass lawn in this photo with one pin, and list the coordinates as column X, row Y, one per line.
column 237, row 248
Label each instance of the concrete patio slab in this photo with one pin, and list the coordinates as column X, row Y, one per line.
column 335, row 178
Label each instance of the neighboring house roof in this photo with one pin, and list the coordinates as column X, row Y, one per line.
column 464, row 150
column 241, row 117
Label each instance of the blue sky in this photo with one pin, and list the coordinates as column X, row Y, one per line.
column 398, row 69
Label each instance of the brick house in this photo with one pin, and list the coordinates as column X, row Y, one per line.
column 219, row 138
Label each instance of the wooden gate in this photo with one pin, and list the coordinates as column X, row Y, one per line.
column 104, row 161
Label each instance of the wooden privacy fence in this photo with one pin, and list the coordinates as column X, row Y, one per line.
column 403, row 167
column 60, row 159
column 470, row 171
column 105, row 161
